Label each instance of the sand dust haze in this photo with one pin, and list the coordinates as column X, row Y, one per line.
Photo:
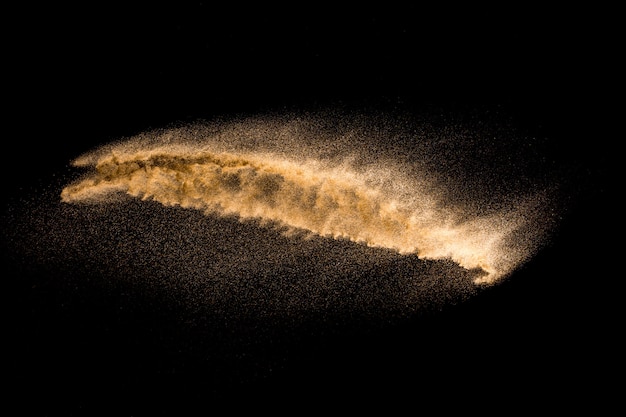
column 382, row 183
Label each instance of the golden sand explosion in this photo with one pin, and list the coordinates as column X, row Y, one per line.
column 254, row 170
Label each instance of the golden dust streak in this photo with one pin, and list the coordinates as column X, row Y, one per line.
column 378, row 206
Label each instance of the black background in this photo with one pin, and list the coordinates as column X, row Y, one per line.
column 80, row 76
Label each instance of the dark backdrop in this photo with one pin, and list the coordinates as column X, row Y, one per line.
column 83, row 75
